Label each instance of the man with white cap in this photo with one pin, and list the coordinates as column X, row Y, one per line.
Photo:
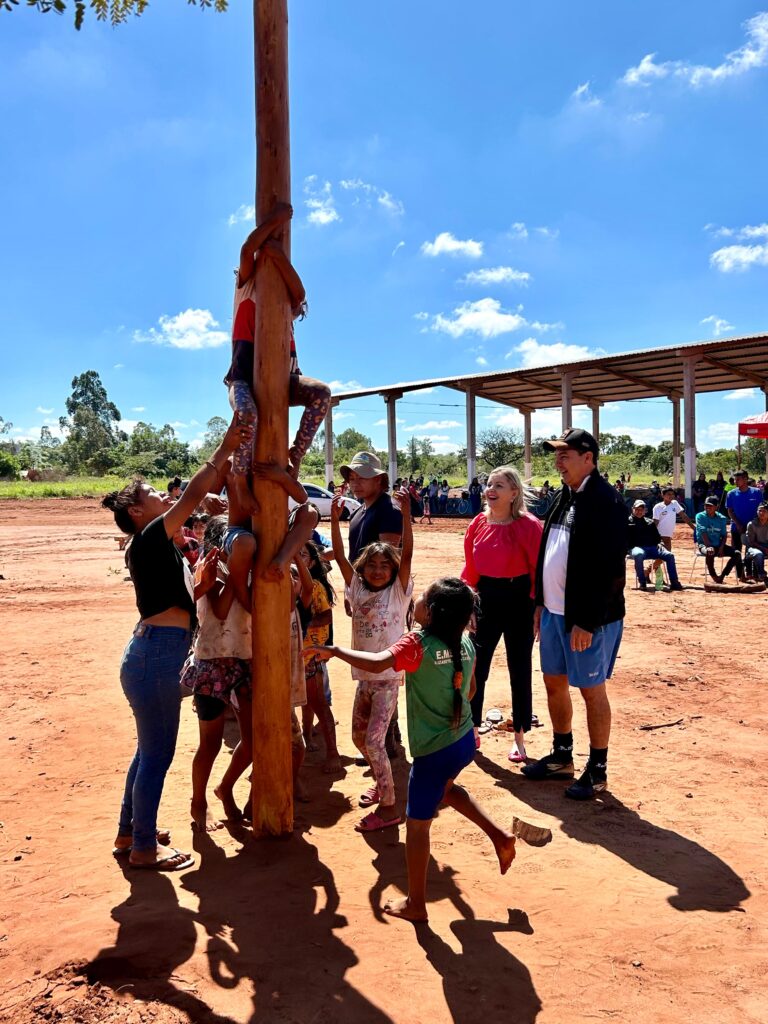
column 579, row 608
column 644, row 541
column 377, row 518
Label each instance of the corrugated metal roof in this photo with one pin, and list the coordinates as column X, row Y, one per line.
column 722, row 365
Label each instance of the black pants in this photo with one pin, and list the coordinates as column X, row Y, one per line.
column 506, row 609
column 734, row 560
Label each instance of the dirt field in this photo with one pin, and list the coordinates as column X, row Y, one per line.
column 646, row 906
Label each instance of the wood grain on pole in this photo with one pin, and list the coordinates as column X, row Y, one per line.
column 272, row 775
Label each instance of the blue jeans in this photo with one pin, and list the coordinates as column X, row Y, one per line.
column 149, row 675
column 655, row 552
column 755, row 560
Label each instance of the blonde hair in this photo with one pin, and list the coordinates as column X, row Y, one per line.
column 525, row 495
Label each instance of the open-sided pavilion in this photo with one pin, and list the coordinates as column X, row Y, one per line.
column 678, row 373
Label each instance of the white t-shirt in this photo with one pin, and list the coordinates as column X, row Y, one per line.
column 378, row 620
column 555, row 567
column 666, row 517
column 223, row 638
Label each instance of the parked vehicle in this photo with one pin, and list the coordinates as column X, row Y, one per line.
column 321, row 499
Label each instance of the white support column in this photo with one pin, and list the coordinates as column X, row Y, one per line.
column 566, row 383
column 675, row 442
column 527, row 461
column 595, row 407
column 391, row 400
column 689, row 399
column 765, row 392
column 329, row 443
column 471, row 440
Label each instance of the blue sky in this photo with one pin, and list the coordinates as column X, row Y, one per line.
column 502, row 186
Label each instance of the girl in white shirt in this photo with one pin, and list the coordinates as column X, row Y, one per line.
column 378, row 589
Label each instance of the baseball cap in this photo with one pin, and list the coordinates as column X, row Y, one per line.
column 579, row 440
column 365, row 464
column 639, row 503
column 712, row 500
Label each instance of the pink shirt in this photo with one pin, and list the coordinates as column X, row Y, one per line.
column 504, row 550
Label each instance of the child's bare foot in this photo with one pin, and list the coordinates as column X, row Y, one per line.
column 505, row 851
column 245, row 498
column 202, row 819
column 405, row 909
column 294, row 462
column 276, row 570
column 231, row 810
column 333, row 765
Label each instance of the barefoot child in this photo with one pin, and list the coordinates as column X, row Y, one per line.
column 312, row 394
column 220, row 666
column 317, row 633
column 438, row 662
column 378, row 589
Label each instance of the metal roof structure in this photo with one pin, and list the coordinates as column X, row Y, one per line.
column 721, row 365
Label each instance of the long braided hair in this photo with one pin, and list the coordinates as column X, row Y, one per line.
column 451, row 604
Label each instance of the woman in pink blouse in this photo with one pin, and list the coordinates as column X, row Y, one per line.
column 501, row 547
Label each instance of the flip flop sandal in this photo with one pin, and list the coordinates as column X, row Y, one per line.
column 374, row 823
column 534, row 835
column 535, row 723
column 516, row 757
column 494, row 716
column 369, row 797
column 163, row 837
column 164, row 863
column 484, row 727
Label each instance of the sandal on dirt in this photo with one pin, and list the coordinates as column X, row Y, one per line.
column 494, row 716
column 164, row 863
column 369, row 797
column 484, row 727
column 374, row 823
column 516, row 757
column 163, row 838
column 534, row 835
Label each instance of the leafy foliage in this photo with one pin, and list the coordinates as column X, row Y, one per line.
column 114, row 11
column 9, row 466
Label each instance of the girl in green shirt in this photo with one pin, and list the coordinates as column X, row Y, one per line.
column 439, row 663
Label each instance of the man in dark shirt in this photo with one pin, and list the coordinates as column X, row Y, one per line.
column 644, row 541
column 377, row 518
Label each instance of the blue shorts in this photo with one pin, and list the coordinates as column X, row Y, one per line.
column 431, row 773
column 230, row 535
column 583, row 668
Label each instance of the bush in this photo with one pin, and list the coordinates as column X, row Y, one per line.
column 9, row 466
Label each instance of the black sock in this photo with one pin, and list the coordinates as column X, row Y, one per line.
column 562, row 746
column 598, row 762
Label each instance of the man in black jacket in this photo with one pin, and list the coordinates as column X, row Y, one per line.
column 644, row 541
column 580, row 608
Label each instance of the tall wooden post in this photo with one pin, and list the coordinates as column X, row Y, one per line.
column 272, row 776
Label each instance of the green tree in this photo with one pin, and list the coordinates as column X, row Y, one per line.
column 215, row 429
column 9, row 466
column 753, row 455
column 500, row 447
column 115, row 11
column 351, row 440
column 91, row 427
column 413, row 456
column 153, row 451
column 660, row 461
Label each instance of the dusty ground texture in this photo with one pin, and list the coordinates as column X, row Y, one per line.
column 646, row 905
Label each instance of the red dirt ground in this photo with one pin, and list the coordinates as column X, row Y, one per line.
column 645, row 907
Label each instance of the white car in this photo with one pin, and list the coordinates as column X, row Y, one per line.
column 321, row 499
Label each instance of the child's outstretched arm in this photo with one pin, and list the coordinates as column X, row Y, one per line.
column 403, row 500
column 337, row 504
column 380, row 662
column 271, row 471
column 279, row 215
column 307, row 583
column 296, row 291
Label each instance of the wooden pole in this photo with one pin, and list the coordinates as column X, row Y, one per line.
column 272, row 775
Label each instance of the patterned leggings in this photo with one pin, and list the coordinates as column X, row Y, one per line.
column 312, row 394
column 375, row 702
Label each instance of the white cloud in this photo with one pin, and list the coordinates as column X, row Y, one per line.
column 481, row 361
column 383, row 422
column 178, row 425
column 421, row 316
column 196, row 444
column 719, row 326
column 496, row 275
column 739, row 257
column 719, row 434
column 546, row 232
column 340, row 386
column 344, row 415
column 537, row 325
column 748, row 233
column 194, row 423
column 739, row 393
column 645, row 435
column 319, row 202
column 583, row 96
column 118, row 366
column 243, row 213
column 753, row 54
column 45, row 412
column 432, row 425
column 138, row 408
column 398, row 247
column 518, row 231
column 192, row 329
column 535, row 353
column 447, row 244
column 442, row 445
column 484, row 317
column 373, row 194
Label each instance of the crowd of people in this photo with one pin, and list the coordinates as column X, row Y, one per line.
column 521, row 579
